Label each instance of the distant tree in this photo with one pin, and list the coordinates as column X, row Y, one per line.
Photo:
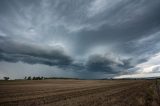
column 25, row 77
column 34, row 78
column 42, row 78
column 37, row 78
column 29, row 78
column 6, row 78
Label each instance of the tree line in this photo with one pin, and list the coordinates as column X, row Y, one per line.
column 27, row 78
column 34, row 78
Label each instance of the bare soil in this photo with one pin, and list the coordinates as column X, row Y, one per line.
column 79, row 93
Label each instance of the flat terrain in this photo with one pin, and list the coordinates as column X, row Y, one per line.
column 79, row 93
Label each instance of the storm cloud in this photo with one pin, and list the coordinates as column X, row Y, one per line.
column 86, row 38
column 30, row 53
column 107, row 64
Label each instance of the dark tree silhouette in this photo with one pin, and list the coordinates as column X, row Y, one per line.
column 25, row 77
column 34, row 78
column 29, row 78
column 6, row 78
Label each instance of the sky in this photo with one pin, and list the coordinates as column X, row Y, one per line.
column 89, row 39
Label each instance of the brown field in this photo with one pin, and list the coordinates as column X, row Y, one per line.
column 80, row 93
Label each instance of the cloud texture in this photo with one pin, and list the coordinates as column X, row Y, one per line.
column 86, row 38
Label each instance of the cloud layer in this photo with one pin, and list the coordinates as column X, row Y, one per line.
column 90, row 38
column 30, row 53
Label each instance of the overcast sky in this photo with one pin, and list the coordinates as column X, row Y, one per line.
column 80, row 38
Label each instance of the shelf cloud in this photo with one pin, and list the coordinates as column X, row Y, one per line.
column 86, row 39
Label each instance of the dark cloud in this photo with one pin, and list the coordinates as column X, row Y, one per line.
column 29, row 53
column 127, row 21
column 100, row 63
column 77, row 35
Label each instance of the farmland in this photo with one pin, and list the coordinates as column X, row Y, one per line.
column 79, row 93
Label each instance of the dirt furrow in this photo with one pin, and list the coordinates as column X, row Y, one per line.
column 47, row 99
